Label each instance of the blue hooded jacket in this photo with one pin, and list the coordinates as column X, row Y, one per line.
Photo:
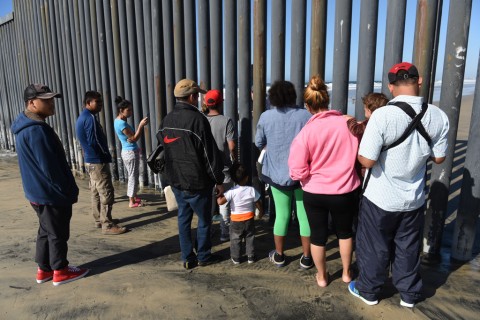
column 46, row 176
column 91, row 137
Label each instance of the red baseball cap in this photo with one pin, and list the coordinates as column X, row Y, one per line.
column 401, row 71
column 213, row 98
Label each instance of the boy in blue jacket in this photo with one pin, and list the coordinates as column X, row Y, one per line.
column 48, row 184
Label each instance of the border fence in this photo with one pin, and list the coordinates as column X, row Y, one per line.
column 140, row 49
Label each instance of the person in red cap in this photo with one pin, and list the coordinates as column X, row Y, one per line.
column 48, row 184
column 391, row 211
column 224, row 134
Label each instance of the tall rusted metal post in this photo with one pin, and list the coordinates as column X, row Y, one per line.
column 190, row 39
column 318, row 38
column 467, row 215
column 367, row 45
column 216, row 44
column 170, row 82
column 230, row 36
column 424, row 55
column 277, row 58
column 178, row 40
column 112, row 84
column 149, row 103
column 204, row 43
column 393, row 39
column 158, row 68
column 341, row 60
column 244, row 102
column 116, row 69
column 450, row 101
column 259, row 59
column 298, row 40
column 108, row 108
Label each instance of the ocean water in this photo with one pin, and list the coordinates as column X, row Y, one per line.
column 468, row 89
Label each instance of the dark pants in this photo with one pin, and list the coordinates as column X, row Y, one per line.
column 238, row 231
column 199, row 202
column 342, row 207
column 52, row 237
column 385, row 238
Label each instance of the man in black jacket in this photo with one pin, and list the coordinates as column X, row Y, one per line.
column 193, row 167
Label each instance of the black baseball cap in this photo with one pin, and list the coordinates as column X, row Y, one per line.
column 39, row 91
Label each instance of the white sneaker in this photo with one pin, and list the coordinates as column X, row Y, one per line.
column 406, row 304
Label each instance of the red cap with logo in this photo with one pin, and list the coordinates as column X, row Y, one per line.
column 402, row 71
column 213, row 98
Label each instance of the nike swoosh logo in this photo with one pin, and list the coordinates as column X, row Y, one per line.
column 170, row 140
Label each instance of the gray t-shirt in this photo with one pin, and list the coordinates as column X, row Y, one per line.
column 223, row 131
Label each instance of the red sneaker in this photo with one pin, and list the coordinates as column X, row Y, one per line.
column 68, row 274
column 44, row 276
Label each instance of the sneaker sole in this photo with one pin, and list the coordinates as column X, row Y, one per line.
column 277, row 264
column 406, row 304
column 188, row 265
column 235, row 262
column 305, row 267
column 368, row 302
column 45, row 280
column 72, row 279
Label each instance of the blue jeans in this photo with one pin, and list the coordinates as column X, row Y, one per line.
column 199, row 202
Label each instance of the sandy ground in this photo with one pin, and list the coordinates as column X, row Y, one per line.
column 139, row 275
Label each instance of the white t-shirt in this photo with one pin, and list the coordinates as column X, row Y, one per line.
column 242, row 200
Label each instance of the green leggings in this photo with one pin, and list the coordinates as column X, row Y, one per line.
column 283, row 211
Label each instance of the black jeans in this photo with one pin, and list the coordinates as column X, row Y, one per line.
column 238, row 231
column 52, row 237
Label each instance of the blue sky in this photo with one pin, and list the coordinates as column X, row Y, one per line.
column 473, row 43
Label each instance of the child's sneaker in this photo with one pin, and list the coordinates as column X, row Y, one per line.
column 44, row 276
column 251, row 259
column 306, row 262
column 235, row 260
column 68, row 274
column 276, row 258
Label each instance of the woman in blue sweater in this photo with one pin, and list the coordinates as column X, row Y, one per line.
column 276, row 129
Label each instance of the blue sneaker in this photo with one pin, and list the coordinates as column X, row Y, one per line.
column 354, row 292
column 306, row 262
column 276, row 258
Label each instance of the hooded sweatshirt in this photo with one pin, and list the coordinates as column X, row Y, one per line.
column 46, row 176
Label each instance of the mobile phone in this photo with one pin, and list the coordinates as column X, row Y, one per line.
column 148, row 114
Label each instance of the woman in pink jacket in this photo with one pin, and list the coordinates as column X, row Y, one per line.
column 322, row 157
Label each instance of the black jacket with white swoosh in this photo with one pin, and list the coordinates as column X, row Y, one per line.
column 192, row 159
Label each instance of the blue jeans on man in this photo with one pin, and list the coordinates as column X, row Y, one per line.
column 199, row 202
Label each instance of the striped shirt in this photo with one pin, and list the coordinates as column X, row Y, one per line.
column 397, row 181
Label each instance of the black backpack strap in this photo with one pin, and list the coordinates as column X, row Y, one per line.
column 415, row 124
